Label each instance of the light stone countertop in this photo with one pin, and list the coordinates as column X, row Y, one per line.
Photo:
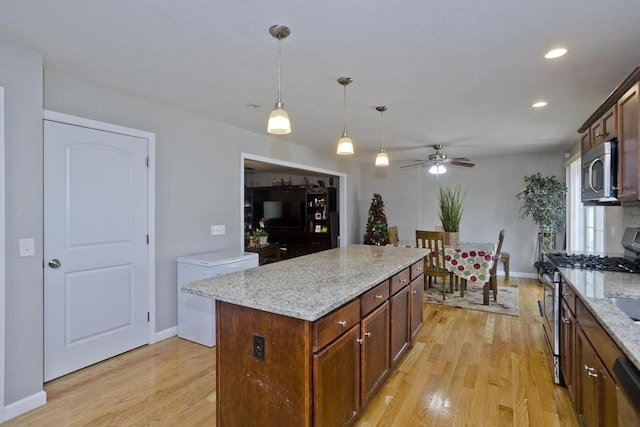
column 310, row 286
column 595, row 288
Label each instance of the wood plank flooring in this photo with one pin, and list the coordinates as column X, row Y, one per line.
column 468, row 368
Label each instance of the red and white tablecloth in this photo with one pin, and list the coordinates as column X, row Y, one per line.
column 470, row 261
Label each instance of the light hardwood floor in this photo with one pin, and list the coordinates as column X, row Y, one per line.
column 468, row 368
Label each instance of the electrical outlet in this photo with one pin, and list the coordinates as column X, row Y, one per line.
column 258, row 347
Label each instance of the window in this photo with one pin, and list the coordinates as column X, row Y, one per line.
column 585, row 224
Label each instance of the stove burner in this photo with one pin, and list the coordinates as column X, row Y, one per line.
column 593, row 262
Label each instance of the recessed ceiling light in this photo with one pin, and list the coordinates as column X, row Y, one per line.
column 555, row 53
column 252, row 106
column 539, row 104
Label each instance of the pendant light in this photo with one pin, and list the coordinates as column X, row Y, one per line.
column 345, row 145
column 279, row 123
column 381, row 158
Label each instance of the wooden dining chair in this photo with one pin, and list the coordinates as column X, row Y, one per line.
column 434, row 262
column 393, row 235
column 493, row 278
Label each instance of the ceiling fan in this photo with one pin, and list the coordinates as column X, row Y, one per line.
column 438, row 160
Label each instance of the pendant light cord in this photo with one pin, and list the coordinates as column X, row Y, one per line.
column 381, row 130
column 344, row 131
column 279, row 70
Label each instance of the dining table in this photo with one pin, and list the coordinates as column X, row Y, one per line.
column 471, row 261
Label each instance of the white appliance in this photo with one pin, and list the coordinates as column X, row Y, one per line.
column 196, row 314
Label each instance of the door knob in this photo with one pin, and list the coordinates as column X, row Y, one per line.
column 54, row 263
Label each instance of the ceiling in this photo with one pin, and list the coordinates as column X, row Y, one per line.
column 458, row 73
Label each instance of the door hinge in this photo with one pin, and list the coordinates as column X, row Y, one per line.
column 147, row 239
column 147, row 161
column 148, row 317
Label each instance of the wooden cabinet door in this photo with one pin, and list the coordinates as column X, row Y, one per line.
column 587, row 396
column 375, row 351
column 415, row 314
column 399, row 328
column 585, row 141
column 628, row 134
column 568, row 348
column 605, row 128
column 336, row 381
column 596, row 389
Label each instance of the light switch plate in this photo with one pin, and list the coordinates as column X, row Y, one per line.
column 27, row 247
column 217, row 230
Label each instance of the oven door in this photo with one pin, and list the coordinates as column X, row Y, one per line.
column 551, row 318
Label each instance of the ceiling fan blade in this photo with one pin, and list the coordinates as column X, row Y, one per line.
column 460, row 159
column 415, row 164
column 465, row 164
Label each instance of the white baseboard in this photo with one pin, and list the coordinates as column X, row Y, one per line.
column 167, row 333
column 27, row 404
column 519, row 274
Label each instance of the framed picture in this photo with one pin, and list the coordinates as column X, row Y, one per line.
column 318, row 229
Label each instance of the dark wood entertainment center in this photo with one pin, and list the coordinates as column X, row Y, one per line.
column 302, row 220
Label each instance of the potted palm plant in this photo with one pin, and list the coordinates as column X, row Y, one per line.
column 544, row 200
column 451, row 200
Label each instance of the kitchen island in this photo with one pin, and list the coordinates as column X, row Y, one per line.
column 307, row 341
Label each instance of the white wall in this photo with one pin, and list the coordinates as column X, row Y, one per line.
column 21, row 76
column 197, row 172
column 411, row 200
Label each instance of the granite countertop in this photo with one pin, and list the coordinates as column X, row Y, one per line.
column 310, row 286
column 595, row 288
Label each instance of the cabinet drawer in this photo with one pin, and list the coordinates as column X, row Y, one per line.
column 373, row 298
column 417, row 269
column 400, row 280
column 335, row 324
column 606, row 348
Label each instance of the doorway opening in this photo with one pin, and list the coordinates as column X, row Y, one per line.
column 275, row 172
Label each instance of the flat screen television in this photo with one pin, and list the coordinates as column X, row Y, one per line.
column 282, row 214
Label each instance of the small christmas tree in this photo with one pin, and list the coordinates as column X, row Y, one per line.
column 377, row 227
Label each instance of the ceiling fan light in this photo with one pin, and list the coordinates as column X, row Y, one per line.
column 345, row 145
column 381, row 158
column 555, row 53
column 279, row 123
column 437, row 169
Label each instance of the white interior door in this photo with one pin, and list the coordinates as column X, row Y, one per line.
column 95, row 246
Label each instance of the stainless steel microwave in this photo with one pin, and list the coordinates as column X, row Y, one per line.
column 599, row 173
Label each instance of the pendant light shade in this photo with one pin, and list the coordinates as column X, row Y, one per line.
column 279, row 123
column 381, row 158
column 345, row 145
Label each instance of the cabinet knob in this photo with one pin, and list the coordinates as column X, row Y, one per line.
column 403, row 280
column 565, row 320
column 378, row 296
column 359, row 340
column 342, row 323
column 415, row 292
column 367, row 334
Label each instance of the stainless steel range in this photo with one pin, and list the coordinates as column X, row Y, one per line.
column 550, row 310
